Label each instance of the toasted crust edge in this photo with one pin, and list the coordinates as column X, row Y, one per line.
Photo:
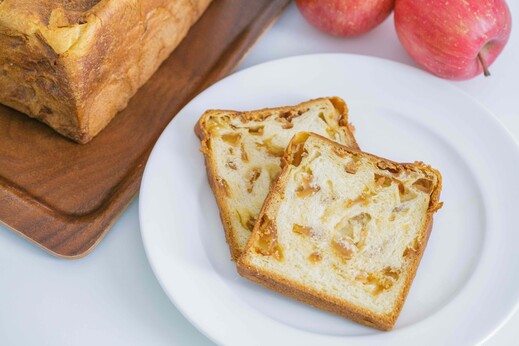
column 225, row 216
column 319, row 299
column 203, row 135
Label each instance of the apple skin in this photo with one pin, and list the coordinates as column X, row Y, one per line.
column 345, row 17
column 446, row 36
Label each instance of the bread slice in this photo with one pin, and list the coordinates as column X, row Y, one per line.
column 243, row 152
column 343, row 230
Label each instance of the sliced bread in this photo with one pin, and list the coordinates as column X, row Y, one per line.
column 243, row 151
column 343, row 230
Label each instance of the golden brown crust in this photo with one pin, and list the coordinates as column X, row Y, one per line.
column 314, row 298
column 225, row 217
column 261, row 114
column 320, row 299
column 75, row 64
column 203, row 134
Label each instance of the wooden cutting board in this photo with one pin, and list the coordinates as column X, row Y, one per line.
column 65, row 196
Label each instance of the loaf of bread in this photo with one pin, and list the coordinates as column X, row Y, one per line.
column 74, row 64
column 343, row 230
column 243, row 152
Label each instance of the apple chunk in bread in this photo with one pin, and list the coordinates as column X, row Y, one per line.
column 343, row 230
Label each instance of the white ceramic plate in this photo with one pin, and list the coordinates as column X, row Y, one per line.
column 467, row 284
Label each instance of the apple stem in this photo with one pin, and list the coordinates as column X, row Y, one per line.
column 486, row 72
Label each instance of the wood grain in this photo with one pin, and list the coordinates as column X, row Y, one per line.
column 64, row 196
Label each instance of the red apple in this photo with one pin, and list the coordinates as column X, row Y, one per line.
column 345, row 17
column 453, row 39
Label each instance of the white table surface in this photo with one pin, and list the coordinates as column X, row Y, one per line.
column 111, row 297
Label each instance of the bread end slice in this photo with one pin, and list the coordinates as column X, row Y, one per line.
column 243, row 152
column 343, row 231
